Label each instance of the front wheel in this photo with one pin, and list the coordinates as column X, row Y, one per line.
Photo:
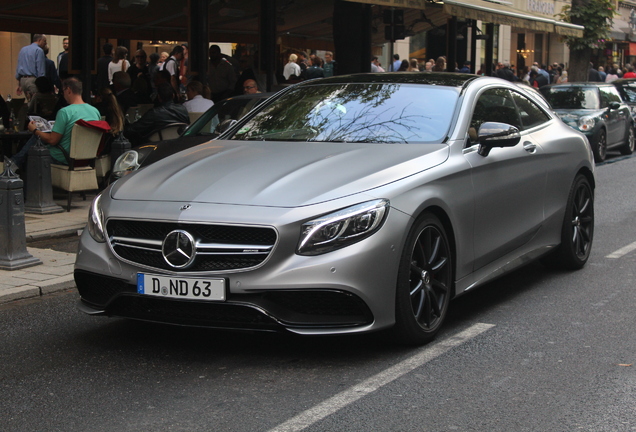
column 628, row 147
column 424, row 284
column 600, row 147
column 577, row 231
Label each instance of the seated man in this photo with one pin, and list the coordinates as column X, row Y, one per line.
column 60, row 136
column 165, row 113
column 196, row 102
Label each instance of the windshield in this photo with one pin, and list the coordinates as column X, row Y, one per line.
column 374, row 113
column 572, row 97
column 628, row 92
column 227, row 109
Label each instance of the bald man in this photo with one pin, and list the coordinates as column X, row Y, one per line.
column 250, row 87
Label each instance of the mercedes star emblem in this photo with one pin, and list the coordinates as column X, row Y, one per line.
column 178, row 249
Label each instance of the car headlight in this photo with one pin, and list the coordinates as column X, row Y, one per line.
column 586, row 123
column 342, row 228
column 96, row 220
column 126, row 163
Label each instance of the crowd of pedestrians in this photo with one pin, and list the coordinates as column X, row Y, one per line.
column 164, row 80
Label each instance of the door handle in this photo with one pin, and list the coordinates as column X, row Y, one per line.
column 529, row 147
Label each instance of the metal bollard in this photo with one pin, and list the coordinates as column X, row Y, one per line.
column 39, row 194
column 13, row 252
column 118, row 147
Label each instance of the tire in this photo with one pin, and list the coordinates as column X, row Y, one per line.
column 628, row 147
column 577, row 232
column 600, row 147
column 424, row 285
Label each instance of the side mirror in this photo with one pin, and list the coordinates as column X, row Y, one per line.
column 614, row 105
column 493, row 134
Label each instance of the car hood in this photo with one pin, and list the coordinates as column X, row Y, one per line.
column 577, row 113
column 276, row 174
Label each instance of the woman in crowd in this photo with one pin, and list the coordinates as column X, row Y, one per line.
column 110, row 110
column 292, row 70
column 440, row 65
column 413, row 66
column 119, row 63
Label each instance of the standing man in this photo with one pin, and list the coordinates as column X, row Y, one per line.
column 65, row 45
column 222, row 77
column 172, row 66
column 31, row 64
column 330, row 67
column 102, row 66
column 60, row 136
column 396, row 63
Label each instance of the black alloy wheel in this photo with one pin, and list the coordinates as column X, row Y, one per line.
column 425, row 281
column 577, row 231
column 628, row 147
column 600, row 148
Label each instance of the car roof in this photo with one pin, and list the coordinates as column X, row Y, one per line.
column 432, row 78
column 579, row 84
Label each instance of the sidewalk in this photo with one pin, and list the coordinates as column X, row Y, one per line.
column 56, row 271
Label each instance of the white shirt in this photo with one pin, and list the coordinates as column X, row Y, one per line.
column 116, row 67
column 290, row 69
column 198, row 104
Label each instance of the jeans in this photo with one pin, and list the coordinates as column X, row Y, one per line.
column 20, row 157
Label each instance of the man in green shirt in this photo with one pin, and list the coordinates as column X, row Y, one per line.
column 65, row 119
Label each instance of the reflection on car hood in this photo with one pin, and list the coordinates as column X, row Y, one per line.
column 276, row 174
column 577, row 113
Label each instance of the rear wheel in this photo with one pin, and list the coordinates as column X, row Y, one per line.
column 600, row 147
column 628, row 147
column 577, row 231
column 424, row 282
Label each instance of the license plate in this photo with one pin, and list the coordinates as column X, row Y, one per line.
column 181, row 287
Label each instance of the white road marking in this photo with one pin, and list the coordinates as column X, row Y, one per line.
column 347, row 397
column 622, row 251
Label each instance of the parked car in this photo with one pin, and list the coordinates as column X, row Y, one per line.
column 627, row 89
column 343, row 205
column 207, row 127
column 597, row 110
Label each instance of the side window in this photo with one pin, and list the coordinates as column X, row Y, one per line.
column 530, row 113
column 494, row 105
column 609, row 94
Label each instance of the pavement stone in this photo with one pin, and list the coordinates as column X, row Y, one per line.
column 56, row 271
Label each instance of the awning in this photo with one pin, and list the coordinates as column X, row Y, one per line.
column 488, row 11
column 567, row 29
column 620, row 30
column 498, row 14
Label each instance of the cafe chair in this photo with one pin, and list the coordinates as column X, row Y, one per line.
column 171, row 131
column 79, row 175
column 194, row 116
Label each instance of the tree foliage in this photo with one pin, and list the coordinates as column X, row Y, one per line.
column 597, row 18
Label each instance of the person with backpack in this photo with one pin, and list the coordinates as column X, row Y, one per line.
column 172, row 66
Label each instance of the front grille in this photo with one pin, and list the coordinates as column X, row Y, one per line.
column 218, row 247
column 268, row 310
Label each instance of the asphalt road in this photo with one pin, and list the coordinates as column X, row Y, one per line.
column 538, row 350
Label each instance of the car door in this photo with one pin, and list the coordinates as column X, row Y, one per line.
column 509, row 183
column 616, row 118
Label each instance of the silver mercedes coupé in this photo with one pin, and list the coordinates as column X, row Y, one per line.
column 342, row 205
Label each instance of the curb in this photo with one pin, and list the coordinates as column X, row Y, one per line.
column 47, row 235
column 39, row 289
